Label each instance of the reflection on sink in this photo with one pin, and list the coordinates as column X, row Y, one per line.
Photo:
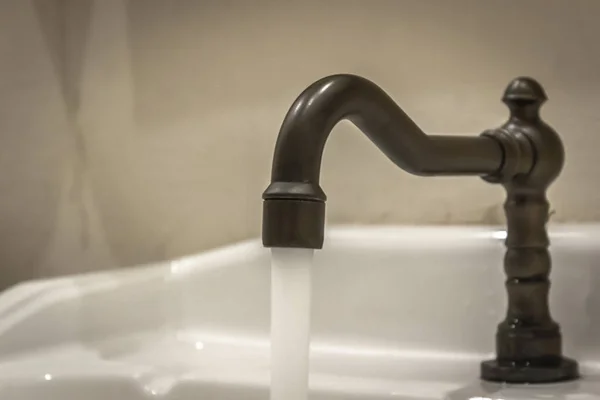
column 397, row 314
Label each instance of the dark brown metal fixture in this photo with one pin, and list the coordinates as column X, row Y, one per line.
column 524, row 155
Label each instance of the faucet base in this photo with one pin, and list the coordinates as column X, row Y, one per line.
column 507, row 372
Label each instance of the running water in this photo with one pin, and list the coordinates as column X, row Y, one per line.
column 290, row 322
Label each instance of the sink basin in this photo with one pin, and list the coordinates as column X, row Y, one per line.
column 398, row 313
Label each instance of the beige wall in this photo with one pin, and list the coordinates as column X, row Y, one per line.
column 141, row 130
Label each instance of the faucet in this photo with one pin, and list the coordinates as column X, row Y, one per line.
column 524, row 155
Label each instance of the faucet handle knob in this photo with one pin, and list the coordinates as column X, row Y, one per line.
column 524, row 96
column 524, row 91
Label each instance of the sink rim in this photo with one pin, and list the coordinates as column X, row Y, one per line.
column 350, row 236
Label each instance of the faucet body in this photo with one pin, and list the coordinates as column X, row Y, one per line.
column 524, row 155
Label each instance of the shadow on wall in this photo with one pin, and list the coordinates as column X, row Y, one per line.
column 32, row 144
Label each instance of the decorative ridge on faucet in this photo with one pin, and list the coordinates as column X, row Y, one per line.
column 524, row 155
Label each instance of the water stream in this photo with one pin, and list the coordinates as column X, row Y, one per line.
column 290, row 322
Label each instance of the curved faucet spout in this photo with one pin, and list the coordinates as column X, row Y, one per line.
column 328, row 101
column 294, row 211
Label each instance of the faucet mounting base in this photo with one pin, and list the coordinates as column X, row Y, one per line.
column 494, row 371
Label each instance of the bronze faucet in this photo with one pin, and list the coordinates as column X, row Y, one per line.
column 524, row 155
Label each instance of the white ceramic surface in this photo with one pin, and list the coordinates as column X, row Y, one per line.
column 398, row 313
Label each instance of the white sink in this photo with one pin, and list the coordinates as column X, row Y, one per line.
column 398, row 312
